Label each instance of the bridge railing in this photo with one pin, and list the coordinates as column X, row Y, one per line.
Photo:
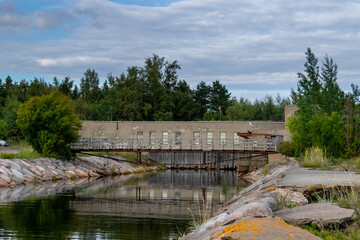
column 171, row 144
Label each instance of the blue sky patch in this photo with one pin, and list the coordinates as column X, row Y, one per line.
column 148, row 3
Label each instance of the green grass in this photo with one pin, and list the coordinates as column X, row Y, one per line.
column 25, row 151
column 315, row 157
column 6, row 155
column 350, row 199
column 349, row 164
column 131, row 156
column 331, row 234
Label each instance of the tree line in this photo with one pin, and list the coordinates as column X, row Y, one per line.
column 153, row 92
column 328, row 118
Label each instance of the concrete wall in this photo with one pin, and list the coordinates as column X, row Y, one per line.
column 212, row 160
column 130, row 130
column 290, row 111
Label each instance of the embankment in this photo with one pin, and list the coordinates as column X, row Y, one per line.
column 21, row 171
column 254, row 213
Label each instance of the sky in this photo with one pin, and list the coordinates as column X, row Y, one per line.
column 255, row 48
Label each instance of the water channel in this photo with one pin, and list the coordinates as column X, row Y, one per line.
column 155, row 206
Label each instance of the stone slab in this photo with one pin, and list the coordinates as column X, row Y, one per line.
column 302, row 177
column 323, row 214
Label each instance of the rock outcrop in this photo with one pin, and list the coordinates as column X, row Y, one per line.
column 255, row 201
column 322, row 214
column 289, row 197
column 259, row 229
column 20, row 171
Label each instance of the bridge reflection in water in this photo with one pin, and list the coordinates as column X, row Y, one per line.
column 169, row 195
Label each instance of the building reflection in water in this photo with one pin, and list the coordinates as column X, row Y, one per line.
column 170, row 195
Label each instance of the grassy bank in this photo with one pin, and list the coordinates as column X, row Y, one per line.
column 316, row 158
column 20, row 150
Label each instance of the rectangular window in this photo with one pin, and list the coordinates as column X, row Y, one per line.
column 223, row 137
column 209, row 138
column 152, row 138
column 165, row 138
column 139, row 135
column 196, row 138
column 177, row 138
column 236, row 139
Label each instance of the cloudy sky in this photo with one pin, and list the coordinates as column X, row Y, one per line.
column 253, row 47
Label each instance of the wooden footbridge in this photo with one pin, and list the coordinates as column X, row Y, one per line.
column 246, row 144
column 159, row 145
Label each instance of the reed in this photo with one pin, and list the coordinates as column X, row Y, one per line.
column 315, row 157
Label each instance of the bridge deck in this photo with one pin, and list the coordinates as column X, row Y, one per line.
column 159, row 145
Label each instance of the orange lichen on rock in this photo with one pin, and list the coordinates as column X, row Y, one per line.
column 264, row 228
column 315, row 187
column 270, row 189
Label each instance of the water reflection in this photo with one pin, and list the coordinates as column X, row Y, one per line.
column 126, row 207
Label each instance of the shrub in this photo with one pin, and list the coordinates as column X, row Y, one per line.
column 287, row 148
column 49, row 124
column 6, row 155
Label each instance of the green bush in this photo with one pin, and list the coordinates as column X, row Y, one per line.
column 49, row 124
column 287, row 148
column 3, row 129
column 6, row 155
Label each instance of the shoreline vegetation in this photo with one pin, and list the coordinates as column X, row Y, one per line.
column 264, row 185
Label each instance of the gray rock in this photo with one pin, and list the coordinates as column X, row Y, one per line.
column 5, row 171
column 212, row 223
column 253, row 209
column 35, row 170
column 27, row 173
column 5, row 178
column 288, row 196
column 40, row 168
column 17, row 176
column 259, row 208
column 24, row 162
column 323, row 214
column 269, row 202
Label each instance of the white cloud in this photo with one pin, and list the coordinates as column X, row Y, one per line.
column 70, row 61
column 254, row 45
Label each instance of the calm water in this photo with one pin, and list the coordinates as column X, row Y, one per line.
column 126, row 207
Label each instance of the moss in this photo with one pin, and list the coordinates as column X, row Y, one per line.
column 266, row 170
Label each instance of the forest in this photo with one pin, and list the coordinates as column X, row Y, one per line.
column 153, row 92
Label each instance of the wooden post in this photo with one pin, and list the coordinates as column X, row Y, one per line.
column 203, row 158
column 138, row 157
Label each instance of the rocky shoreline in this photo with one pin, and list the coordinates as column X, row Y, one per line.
column 21, row 171
column 257, row 212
